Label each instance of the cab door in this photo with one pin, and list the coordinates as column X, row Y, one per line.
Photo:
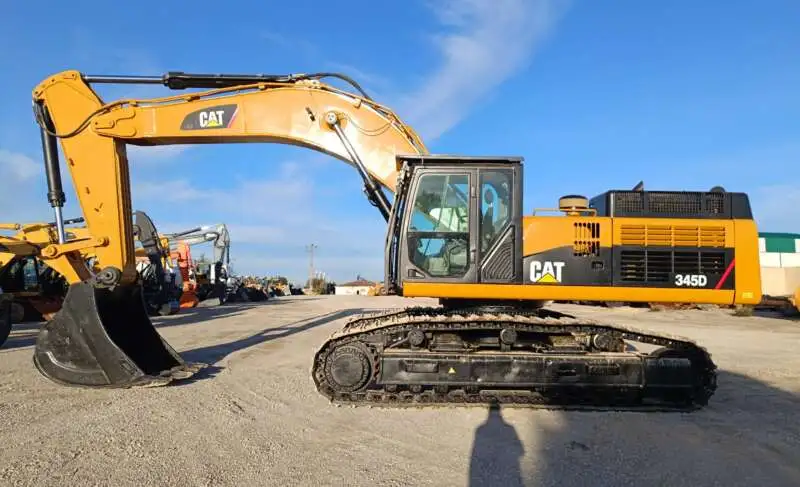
column 439, row 238
column 499, row 207
column 462, row 225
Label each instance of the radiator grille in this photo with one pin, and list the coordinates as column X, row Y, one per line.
column 657, row 265
column 667, row 203
column 629, row 202
column 715, row 203
column 673, row 235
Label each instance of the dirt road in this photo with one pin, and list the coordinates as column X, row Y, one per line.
column 256, row 419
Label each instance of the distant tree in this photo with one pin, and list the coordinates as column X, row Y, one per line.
column 278, row 281
column 317, row 285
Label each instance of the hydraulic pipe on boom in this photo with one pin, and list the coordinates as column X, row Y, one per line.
column 456, row 232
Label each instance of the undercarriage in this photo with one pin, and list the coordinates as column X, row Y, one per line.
column 530, row 358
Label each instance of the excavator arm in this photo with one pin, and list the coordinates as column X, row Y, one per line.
column 296, row 110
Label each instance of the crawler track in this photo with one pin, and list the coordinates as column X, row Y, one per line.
column 371, row 352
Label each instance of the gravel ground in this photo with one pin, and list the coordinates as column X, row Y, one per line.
column 256, row 419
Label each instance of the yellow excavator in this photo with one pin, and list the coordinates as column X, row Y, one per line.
column 38, row 290
column 457, row 231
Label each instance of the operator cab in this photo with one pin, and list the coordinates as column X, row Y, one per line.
column 459, row 220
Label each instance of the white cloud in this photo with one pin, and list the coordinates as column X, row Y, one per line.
column 175, row 191
column 490, row 41
column 23, row 194
column 481, row 44
column 18, row 167
column 260, row 199
column 271, row 221
column 374, row 84
column 359, row 74
column 154, row 154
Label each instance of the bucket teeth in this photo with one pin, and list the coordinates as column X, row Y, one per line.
column 184, row 372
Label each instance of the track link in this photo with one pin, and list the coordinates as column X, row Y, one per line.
column 368, row 340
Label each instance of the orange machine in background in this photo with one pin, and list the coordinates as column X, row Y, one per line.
column 183, row 257
column 196, row 285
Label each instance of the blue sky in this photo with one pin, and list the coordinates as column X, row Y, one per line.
column 595, row 95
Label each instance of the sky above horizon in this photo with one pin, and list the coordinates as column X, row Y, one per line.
column 594, row 95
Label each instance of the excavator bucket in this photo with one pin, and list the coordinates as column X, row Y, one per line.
column 103, row 337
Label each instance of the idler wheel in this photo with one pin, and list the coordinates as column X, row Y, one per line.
column 607, row 342
column 348, row 368
column 508, row 336
column 416, row 338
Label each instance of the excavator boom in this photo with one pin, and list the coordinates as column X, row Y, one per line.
column 297, row 110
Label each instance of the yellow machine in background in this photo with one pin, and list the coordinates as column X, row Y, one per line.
column 36, row 288
column 39, row 291
column 788, row 304
column 457, row 231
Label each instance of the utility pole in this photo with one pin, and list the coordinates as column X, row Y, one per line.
column 310, row 249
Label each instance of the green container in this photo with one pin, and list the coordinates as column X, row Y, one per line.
column 780, row 242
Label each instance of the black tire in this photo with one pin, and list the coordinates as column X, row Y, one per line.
column 5, row 320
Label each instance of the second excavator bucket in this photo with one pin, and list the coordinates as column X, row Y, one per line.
column 103, row 337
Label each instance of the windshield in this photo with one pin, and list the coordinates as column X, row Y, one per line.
column 441, row 204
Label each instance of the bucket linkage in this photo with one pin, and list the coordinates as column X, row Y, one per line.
column 103, row 337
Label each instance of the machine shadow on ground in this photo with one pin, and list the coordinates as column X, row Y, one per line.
column 747, row 435
column 24, row 334
column 791, row 315
column 202, row 314
column 20, row 340
column 213, row 354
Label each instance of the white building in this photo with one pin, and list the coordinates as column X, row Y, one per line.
column 359, row 287
column 780, row 263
